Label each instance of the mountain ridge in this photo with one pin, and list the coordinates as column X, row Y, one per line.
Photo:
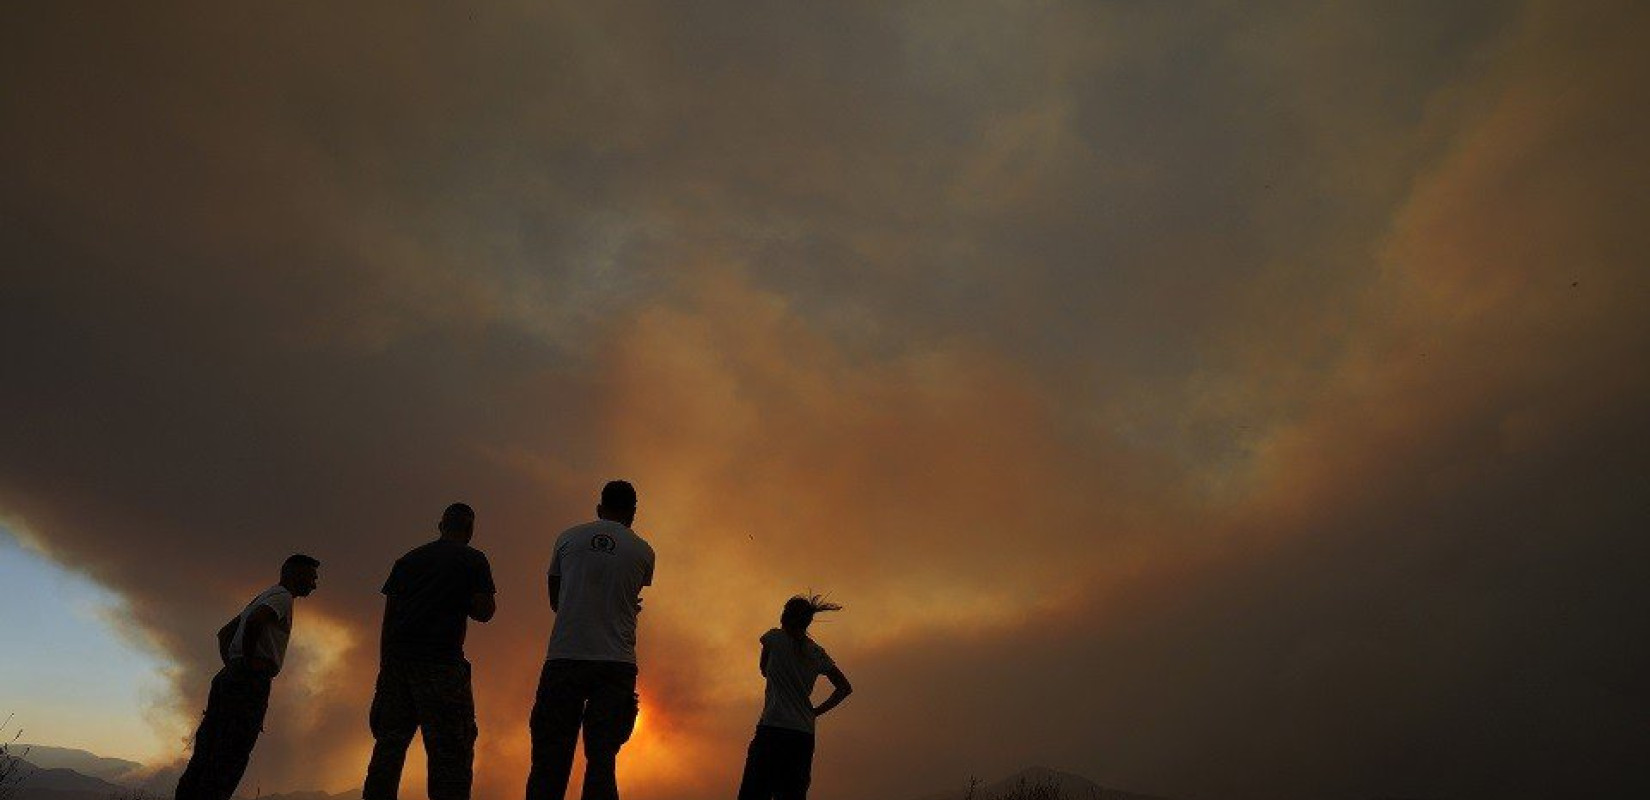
column 85, row 762
column 35, row 782
column 63, row 773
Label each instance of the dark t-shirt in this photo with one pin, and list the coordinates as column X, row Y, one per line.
column 431, row 589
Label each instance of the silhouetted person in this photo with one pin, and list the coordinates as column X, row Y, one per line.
column 597, row 572
column 252, row 646
column 423, row 678
column 779, row 765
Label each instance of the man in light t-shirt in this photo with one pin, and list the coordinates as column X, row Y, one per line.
column 597, row 572
column 252, row 646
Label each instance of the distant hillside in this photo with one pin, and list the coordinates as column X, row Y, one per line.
column 39, row 783
column 159, row 782
column 49, row 779
column 1041, row 783
column 49, row 757
column 55, row 794
column 64, row 773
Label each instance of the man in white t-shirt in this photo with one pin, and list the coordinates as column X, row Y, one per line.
column 597, row 572
column 252, row 646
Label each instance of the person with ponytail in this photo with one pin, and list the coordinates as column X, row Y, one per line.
column 779, row 765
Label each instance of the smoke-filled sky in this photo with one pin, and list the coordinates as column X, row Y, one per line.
column 1221, row 400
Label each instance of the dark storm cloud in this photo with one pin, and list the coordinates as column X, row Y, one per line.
column 1211, row 399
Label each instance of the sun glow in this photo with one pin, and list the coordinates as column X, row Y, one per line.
column 660, row 753
column 665, row 753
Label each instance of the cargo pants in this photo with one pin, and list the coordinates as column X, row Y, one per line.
column 432, row 697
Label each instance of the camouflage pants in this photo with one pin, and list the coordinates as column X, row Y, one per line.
column 600, row 697
column 223, row 743
column 428, row 696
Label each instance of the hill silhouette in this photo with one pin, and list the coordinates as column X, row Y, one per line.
column 36, row 782
column 63, row 773
column 87, row 763
column 1040, row 783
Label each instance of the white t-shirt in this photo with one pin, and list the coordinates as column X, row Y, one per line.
column 603, row 566
column 271, row 643
column 792, row 672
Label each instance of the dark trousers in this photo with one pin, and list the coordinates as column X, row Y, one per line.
column 434, row 697
column 779, row 765
column 234, row 717
column 600, row 697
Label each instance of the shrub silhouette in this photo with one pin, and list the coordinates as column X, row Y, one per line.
column 1037, row 789
column 1022, row 790
column 11, row 763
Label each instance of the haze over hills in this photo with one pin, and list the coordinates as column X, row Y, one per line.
column 86, row 763
column 59, row 773
column 37, row 782
column 61, row 783
column 34, row 781
column 46, row 776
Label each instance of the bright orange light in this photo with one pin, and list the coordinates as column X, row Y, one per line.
column 659, row 754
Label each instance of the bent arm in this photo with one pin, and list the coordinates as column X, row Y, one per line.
column 384, row 627
column 841, row 688
column 226, row 637
column 252, row 633
column 482, row 606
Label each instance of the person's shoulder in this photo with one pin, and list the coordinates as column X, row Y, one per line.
column 451, row 552
column 609, row 526
column 431, row 555
column 576, row 530
column 640, row 541
column 568, row 535
column 276, row 597
column 773, row 636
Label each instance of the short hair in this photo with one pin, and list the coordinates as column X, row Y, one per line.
column 297, row 560
column 458, row 516
column 618, row 495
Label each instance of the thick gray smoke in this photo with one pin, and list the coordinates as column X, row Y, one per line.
column 1217, row 401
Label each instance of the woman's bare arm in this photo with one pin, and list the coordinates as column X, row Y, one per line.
column 841, row 688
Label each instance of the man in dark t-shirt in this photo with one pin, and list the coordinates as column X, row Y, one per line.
column 423, row 679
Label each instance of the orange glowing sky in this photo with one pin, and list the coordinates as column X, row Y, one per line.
column 1216, row 400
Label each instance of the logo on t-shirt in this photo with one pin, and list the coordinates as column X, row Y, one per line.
column 603, row 543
